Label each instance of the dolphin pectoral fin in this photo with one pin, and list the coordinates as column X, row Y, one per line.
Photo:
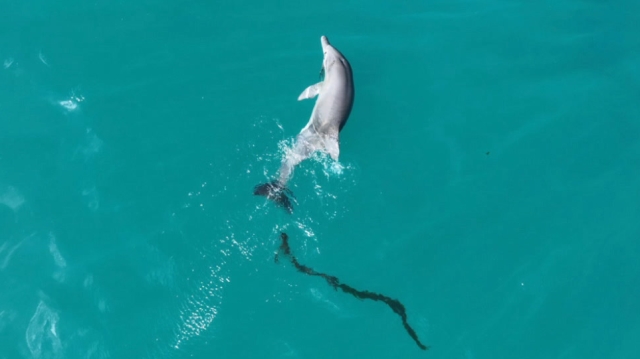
column 310, row 92
column 332, row 147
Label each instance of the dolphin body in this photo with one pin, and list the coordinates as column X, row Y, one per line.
column 330, row 113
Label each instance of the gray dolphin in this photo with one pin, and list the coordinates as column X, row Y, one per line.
column 322, row 133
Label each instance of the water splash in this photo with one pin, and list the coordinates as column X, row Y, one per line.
column 72, row 103
column 201, row 308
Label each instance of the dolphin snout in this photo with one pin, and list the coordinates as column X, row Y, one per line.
column 324, row 41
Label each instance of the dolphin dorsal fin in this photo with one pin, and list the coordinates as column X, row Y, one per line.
column 310, row 92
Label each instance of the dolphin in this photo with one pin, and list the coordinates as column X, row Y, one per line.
column 335, row 94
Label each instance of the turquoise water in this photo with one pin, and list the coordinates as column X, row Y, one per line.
column 488, row 179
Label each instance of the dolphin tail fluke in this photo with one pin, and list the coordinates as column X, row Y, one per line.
column 276, row 192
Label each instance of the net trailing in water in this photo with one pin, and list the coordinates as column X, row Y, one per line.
column 335, row 283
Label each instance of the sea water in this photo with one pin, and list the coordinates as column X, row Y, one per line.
column 488, row 180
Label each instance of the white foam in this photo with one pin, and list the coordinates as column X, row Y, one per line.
column 69, row 105
column 319, row 297
column 55, row 253
column 72, row 103
column 42, row 332
column 7, row 63
column 43, row 59
column 91, row 197
column 11, row 198
column 5, row 261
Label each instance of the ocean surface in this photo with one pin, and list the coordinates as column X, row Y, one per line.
column 489, row 180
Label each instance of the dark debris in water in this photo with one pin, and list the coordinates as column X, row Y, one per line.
column 334, row 282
